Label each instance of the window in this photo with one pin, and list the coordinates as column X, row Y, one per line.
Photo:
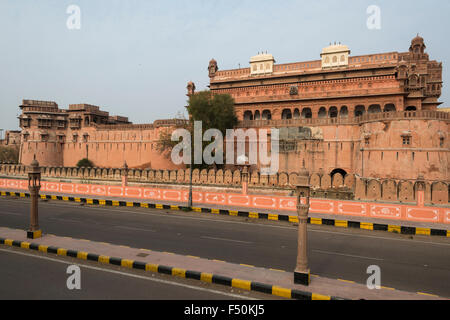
column 406, row 140
column 367, row 141
column 441, row 142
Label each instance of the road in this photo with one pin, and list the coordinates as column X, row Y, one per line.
column 31, row 275
column 416, row 264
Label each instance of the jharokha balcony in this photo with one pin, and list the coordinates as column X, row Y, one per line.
column 383, row 116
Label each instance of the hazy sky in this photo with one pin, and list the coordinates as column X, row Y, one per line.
column 134, row 58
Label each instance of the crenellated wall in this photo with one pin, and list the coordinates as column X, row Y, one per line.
column 323, row 185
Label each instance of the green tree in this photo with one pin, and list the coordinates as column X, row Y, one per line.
column 215, row 111
column 86, row 163
column 9, row 154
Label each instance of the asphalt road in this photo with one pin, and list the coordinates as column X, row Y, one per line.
column 30, row 276
column 416, row 264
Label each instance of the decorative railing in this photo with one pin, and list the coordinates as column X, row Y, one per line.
column 382, row 116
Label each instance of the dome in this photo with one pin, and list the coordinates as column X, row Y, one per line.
column 417, row 40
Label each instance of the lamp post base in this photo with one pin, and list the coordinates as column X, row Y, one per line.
column 34, row 234
column 302, row 277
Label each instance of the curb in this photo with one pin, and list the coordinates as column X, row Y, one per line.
column 252, row 215
column 167, row 270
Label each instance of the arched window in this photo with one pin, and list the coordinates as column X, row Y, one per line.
column 296, row 114
column 360, row 110
column 306, row 113
column 344, row 112
column 322, row 112
column 333, row 112
column 374, row 108
column 257, row 115
column 389, row 108
column 335, row 59
column 286, row 114
column 248, row 116
column 86, row 121
column 342, row 58
column 266, row 115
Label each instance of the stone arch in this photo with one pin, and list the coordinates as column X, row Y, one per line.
column 286, row 114
column 439, row 193
column 204, row 176
column 360, row 110
column 325, row 182
column 266, row 115
column 343, row 113
column 293, row 178
column 257, row 115
column 306, row 113
column 374, row 108
column 228, row 177
column 405, row 191
column 219, row 176
column 212, row 176
column 337, row 180
column 389, row 190
column 180, row 176
column 314, row 180
column 283, row 179
column 254, row 178
column 390, row 107
column 248, row 115
column 195, row 176
column 322, row 112
column 296, row 113
column 333, row 112
column 237, row 177
column 264, row 179
column 166, row 176
column 349, row 181
column 373, row 190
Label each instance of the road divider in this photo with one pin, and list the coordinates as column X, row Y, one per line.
column 248, row 214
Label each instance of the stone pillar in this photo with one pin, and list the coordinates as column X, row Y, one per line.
column 302, row 272
column 245, row 175
column 125, row 175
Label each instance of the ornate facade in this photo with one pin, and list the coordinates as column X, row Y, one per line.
column 373, row 115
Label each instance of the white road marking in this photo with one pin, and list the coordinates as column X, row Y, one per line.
column 347, row 255
column 133, row 228
column 132, row 275
column 250, row 224
column 222, row 239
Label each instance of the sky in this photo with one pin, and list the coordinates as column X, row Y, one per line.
column 135, row 57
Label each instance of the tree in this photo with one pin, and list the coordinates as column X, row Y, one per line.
column 9, row 154
column 215, row 111
column 86, row 163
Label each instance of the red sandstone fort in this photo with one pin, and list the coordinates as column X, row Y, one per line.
column 373, row 116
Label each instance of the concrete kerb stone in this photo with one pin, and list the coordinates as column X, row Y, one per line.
column 168, row 270
column 394, row 228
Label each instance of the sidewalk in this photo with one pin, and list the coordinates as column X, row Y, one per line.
column 270, row 281
column 285, row 215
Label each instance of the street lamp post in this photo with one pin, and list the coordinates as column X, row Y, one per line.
column 301, row 274
column 34, row 185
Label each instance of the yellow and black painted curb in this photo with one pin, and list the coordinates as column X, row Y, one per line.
column 252, row 215
column 177, row 272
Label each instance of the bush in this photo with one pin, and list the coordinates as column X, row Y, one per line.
column 9, row 154
column 85, row 163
